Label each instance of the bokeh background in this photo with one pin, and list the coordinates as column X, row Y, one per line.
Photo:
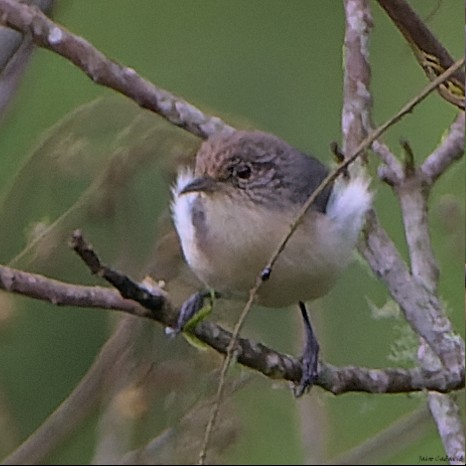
column 106, row 168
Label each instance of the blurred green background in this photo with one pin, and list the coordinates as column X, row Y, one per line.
column 272, row 65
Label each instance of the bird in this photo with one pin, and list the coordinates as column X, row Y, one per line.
column 231, row 212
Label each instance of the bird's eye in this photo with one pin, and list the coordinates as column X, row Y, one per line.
column 242, row 171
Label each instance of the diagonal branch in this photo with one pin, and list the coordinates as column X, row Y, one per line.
column 429, row 52
column 450, row 150
column 15, row 52
column 101, row 70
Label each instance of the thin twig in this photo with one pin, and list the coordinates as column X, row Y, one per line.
column 223, row 372
column 128, row 288
column 391, row 171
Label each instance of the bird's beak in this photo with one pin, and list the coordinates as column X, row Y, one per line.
column 204, row 184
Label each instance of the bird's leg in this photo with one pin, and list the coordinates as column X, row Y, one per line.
column 310, row 357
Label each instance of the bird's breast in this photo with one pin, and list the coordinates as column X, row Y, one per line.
column 227, row 244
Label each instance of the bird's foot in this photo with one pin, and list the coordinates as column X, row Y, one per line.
column 193, row 311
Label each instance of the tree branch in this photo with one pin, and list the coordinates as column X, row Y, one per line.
column 429, row 52
column 101, row 70
column 449, row 422
column 450, row 150
column 391, row 171
column 424, row 312
column 64, row 294
column 256, row 355
column 413, row 193
column 357, row 99
column 15, row 52
column 251, row 354
column 421, row 308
